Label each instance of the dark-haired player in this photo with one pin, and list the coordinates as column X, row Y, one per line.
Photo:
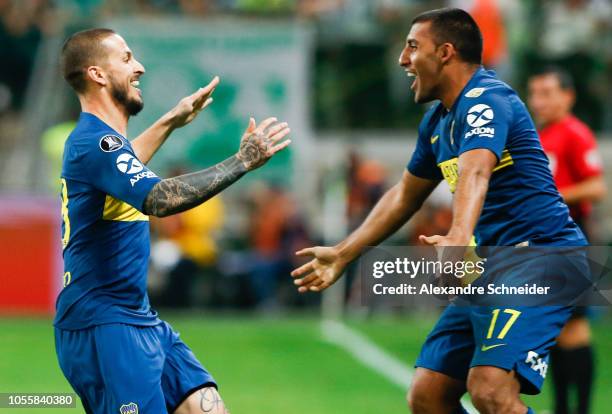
column 577, row 169
column 480, row 138
column 114, row 350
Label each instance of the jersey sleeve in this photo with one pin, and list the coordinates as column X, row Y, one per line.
column 583, row 156
column 117, row 171
column 485, row 123
column 423, row 162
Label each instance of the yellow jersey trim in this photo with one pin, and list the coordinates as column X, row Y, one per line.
column 450, row 168
column 117, row 210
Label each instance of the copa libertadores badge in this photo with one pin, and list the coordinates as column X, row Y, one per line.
column 110, row 143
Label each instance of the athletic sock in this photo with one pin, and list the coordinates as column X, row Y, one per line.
column 582, row 365
column 560, row 370
column 572, row 368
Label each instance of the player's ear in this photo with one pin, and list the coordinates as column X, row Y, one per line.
column 446, row 51
column 96, row 74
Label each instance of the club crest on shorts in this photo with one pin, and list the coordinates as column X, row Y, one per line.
column 131, row 408
column 110, row 143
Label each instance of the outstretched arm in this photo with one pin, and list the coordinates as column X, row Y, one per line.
column 177, row 194
column 146, row 144
column 390, row 213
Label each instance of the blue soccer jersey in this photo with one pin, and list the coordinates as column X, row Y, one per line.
column 522, row 203
column 105, row 235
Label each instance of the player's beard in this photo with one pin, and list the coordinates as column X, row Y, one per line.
column 121, row 95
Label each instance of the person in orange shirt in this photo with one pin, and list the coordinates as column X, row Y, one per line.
column 488, row 16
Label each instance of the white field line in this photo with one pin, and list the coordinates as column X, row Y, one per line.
column 373, row 356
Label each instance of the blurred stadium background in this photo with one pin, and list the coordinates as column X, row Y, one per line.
column 220, row 273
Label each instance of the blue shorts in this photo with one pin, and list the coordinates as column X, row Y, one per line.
column 517, row 338
column 503, row 332
column 118, row 368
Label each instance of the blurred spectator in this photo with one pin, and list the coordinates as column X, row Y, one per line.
column 22, row 26
column 488, row 16
column 432, row 218
column 276, row 233
column 366, row 185
column 318, row 8
column 574, row 26
column 53, row 140
column 573, row 35
column 186, row 251
column 196, row 7
column 569, row 144
column 258, row 6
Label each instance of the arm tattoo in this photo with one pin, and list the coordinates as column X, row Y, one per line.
column 177, row 194
column 210, row 401
column 253, row 150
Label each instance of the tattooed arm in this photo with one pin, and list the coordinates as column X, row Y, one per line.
column 258, row 145
column 174, row 195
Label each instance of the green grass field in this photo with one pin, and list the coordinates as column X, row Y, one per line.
column 269, row 365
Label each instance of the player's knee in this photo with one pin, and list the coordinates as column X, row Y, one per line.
column 484, row 397
column 491, row 395
column 418, row 400
column 432, row 392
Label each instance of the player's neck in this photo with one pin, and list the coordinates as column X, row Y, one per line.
column 105, row 108
column 454, row 83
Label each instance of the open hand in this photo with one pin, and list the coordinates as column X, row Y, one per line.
column 190, row 106
column 321, row 272
column 260, row 142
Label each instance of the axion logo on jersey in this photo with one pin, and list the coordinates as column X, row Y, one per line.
column 479, row 115
column 488, row 132
column 127, row 164
column 139, row 176
column 110, row 143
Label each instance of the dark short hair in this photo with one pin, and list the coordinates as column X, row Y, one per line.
column 455, row 26
column 566, row 82
column 81, row 50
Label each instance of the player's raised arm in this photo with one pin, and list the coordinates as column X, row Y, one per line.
column 147, row 143
column 177, row 194
column 395, row 207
